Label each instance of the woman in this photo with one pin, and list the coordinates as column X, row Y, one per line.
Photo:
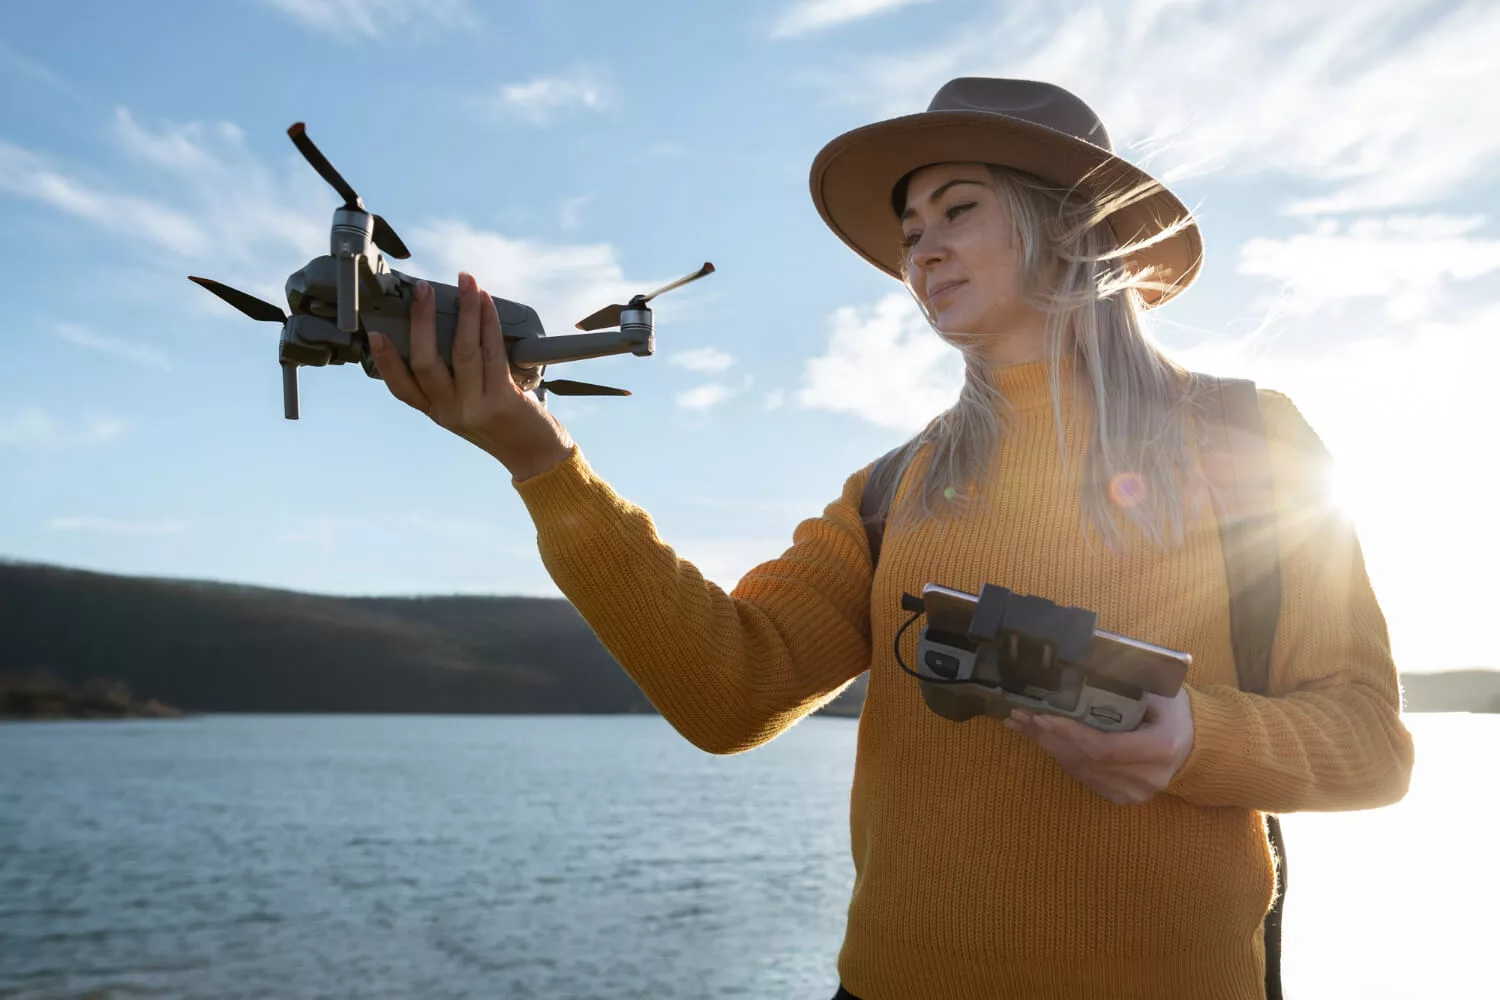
column 1035, row 857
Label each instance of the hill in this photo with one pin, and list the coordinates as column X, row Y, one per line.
column 1453, row 691
column 215, row 647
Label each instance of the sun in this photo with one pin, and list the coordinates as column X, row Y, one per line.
column 1348, row 492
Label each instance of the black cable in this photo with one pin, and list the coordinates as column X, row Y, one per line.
column 902, row 663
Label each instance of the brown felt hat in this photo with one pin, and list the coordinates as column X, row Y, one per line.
column 1036, row 127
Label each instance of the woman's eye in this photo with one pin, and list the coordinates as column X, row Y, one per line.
column 911, row 240
column 954, row 210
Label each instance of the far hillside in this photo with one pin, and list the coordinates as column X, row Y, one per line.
column 198, row 646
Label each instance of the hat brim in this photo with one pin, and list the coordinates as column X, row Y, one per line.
column 853, row 176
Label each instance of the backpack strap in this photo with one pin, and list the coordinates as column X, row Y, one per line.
column 874, row 506
column 1237, row 464
column 1238, row 468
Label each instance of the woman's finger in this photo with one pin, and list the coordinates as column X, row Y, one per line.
column 394, row 373
column 468, row 371
column 497, row 378
column 428, row 369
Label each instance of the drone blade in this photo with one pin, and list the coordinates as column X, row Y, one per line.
column 386, row 239
column 610, row 315
column 567, row 387
column 320, row 163
column 243, row 301
column 606, row 317
column 707, row 268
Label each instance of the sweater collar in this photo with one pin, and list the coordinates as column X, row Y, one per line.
column 1027, row 387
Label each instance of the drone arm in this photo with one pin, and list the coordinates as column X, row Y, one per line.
column 535, row 351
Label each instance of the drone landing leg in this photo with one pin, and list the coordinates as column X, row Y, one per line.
column 289, row 389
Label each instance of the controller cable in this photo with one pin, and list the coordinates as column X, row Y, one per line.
column 915, row 605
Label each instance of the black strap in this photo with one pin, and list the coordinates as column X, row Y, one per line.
column 1237, row 465
column 1239, row 472
column 874, row 506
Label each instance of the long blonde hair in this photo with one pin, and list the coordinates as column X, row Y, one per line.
column 1073, row 270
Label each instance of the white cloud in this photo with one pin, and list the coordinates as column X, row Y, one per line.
column 564, row 282
column 704, row 397
column 221, row 213
column 28, row 175
column 1381, row 103
column 116, row 526
column 775, row 399
column 1405, row 261
column 33, row 427
column 116, row 346
column 16, row 64
column 702, row 359
column 249, row 214
column 885, row 365
column 805, row 16
column 541, row 100
column 356, row 20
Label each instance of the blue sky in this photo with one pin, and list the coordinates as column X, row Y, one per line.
column 1343, row 163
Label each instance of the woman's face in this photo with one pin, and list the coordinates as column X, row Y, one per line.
column 962, row 253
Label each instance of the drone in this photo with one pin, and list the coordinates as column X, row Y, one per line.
column 339, row 299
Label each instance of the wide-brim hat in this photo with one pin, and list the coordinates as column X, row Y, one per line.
column 1036, row 127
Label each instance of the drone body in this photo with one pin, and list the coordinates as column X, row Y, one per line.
column 337, row 300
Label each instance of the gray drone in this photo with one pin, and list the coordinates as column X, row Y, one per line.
column 339, row 298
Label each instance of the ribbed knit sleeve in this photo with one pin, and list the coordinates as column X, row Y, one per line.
column 729, row 671
column 1330, row 735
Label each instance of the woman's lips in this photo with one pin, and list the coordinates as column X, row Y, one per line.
column 943, row 290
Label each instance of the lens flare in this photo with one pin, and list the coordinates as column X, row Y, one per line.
column 1127, row 489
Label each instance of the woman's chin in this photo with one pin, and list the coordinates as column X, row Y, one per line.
column 952, row 328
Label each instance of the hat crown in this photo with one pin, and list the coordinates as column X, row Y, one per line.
column 1032, row 101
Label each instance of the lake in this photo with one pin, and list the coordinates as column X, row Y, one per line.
column 586, row 857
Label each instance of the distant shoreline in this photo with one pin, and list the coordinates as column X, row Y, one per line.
column 42, row 696
column 89, row 645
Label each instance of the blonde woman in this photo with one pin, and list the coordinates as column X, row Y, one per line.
column 1033, row 857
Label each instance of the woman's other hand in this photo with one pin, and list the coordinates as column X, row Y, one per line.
column 1126, row 768
column 479, row 401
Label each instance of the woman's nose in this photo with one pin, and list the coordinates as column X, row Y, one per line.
column 927, row 255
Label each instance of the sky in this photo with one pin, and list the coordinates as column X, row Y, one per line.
column 1341, row 159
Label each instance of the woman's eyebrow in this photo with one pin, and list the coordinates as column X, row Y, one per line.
column 938, row 193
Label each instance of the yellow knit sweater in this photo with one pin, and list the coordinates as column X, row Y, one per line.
column 982, row 868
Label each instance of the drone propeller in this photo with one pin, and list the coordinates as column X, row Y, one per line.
column 384, row 236
column 243, row 301
column 386, row 239
column 567, row 387
column 611, row 315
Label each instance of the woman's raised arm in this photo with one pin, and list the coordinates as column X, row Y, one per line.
column 728, row 671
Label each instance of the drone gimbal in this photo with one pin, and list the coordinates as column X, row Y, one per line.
column 338, row 299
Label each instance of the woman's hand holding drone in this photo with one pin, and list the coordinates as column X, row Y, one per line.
column 479, row 402
column 1127, row 768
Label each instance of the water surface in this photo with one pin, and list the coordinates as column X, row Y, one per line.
column 582, row 857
